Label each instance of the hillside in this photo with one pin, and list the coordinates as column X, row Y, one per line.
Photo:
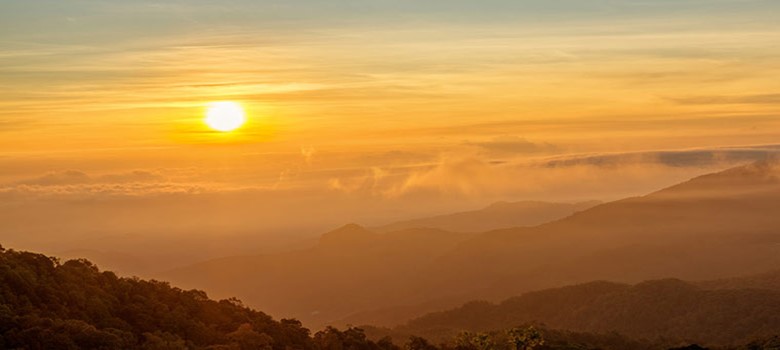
column 45, row 304
column 670, row 309
column 351, row 268
column 767, row 281
column 714, row 226
column 496, row 216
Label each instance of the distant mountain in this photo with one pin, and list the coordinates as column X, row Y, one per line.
column 496, row 216
column 714, row 226
column 351, row 268
column 669, row 308
column 767, row 281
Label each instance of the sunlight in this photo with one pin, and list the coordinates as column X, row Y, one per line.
column 225, row 116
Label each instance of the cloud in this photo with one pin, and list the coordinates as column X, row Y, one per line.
column 14, row 125
column 76, row 177
column 508, row 145
column 76, row 184
column 471, row 177
column 308, row 153
column 601, row 176
column 453, row 176
column 133, row 176
column 98, row 191
column 761, row 99
column 462, row 176
column 671, row 158
column 67, row 177
column 370, row 183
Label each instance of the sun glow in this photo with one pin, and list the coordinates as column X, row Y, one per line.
column 225, row 116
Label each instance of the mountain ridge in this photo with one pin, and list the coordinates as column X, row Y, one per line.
column 689, row 236
column 672, row 307
column 497, row 215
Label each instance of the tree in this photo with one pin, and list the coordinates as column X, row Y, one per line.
column 475, row 341
column 418, row 343
column 386, row 343
column 45, row 304
column 524, row 338
column 163, row 341
column 248, row 339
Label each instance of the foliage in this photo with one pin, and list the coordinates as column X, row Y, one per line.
column 524, row 338
column 419, row 343
column 671, row 311
column 45, row 304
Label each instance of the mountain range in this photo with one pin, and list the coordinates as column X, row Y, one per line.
column 714, row 226
column 718, row 312
column 496, row 216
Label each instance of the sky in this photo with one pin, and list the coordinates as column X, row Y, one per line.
column 364, row 111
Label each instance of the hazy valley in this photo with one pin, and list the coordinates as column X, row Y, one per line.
column 717, row 231
column 714, row 226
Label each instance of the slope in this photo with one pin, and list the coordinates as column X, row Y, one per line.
column 496, row 216
column 351, row 269
column 45, row 304
column 713, row 226
column 656, row 309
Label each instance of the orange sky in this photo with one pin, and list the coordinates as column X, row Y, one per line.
column 380, row 109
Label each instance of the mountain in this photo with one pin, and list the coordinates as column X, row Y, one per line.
column 496, row 216
column 767, row 281
column 667, row 308
column 714, row 226
column 46, row 304
column 350, row 269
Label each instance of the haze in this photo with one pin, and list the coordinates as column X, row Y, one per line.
column 419, row 125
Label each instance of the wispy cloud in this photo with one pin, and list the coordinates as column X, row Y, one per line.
column 760, row 99
column 75, row 177
column 513, row 145
column 565, row 177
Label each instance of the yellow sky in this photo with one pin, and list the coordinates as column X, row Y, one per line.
column 393, row 107
column 566, row 85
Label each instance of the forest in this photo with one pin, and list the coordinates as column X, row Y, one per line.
column 49, row 304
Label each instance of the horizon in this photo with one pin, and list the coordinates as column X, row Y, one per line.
column 375, row 161
column 372, row 112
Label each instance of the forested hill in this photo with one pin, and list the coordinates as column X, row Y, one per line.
column 45, row 304
column 671, row 309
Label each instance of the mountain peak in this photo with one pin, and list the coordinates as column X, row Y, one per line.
column 767, row 170
column 753, row 176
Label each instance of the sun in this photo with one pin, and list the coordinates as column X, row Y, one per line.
column 225, row 116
